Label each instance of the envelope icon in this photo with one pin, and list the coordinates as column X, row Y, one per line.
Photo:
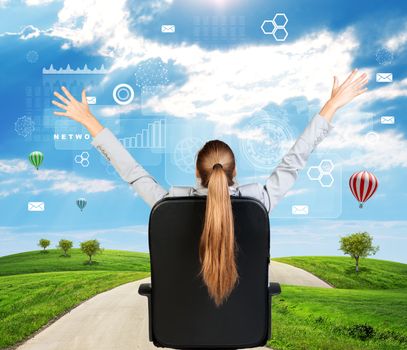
column 168, row 28
column 384, row 77
column 36, row 206
column 300, row 209
column 387, row 119
column 91, row 100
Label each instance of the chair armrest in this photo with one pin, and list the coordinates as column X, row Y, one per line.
column 274, row 288
column 145, row 289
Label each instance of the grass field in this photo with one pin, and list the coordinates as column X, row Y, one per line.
column 366, row 311
column 37, row 287
column 53, row 260
column 340, row 271
column 306, row 318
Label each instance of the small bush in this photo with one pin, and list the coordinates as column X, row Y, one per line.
column 65, row 245
column 44, row 243
column 91, row 248
column 361, row 331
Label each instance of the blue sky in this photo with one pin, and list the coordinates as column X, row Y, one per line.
column 217, row 76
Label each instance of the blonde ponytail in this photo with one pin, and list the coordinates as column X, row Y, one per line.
column 217, row 248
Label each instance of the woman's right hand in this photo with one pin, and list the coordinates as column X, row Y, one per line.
column 78, row 111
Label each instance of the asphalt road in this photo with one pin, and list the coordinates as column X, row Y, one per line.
column 118, row 320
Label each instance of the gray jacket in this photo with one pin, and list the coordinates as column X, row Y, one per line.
column 270, row 193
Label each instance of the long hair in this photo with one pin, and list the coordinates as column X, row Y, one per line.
column 217, row 250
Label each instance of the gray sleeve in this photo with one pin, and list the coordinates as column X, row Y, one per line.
column 127, row 167
column 286, row 173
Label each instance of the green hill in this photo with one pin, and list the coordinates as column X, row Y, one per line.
column 340, row 271
column 37, row 287
column 53, row 260
column 366, row 310
column 308, row 318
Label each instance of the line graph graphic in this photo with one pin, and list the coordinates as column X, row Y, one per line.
column 151, row 137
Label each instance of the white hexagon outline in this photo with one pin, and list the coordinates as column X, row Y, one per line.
column 327, row 161
column 280, row 28
column 84, row 159
column 85, row 155
column 330, row 184
column 85, row 163
column 322, row 173
column 280, row 14
column 268, row 21
column 311, row 177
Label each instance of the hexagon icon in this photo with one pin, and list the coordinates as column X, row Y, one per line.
column 85, row 155
column 280, row 34
column 280, row 20
column 326, row 180
column 326, row 166
column 268, row 27
column 314, row 173
column 85, row 163
column 82, row 159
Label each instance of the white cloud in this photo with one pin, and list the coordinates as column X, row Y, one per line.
column 113, row 111
column 397, row 41
column 43, row 180
column 25, row 238
column 28, row 32
column 4, row 3
column 321, row 237
column 237, row 82
column 84, row 185
column 297, row 192
column 6, row 193
column 38, row 2
column 351, row 140
column 13, row 166
column 229, row 85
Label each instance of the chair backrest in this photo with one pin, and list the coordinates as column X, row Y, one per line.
column 183, row 314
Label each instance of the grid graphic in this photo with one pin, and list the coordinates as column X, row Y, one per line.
column 151, row 137
column 214, row 28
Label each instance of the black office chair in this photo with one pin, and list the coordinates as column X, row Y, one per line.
column 181, row 313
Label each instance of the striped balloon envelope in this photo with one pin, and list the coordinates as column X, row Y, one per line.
column 363, row 185
column 36, row 158
column 81, row 203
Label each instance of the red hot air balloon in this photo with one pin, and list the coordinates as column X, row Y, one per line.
column 363, row 185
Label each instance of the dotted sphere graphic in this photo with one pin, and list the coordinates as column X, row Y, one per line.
column 185, row 153
column 265, row 151
column 32, row 56
column 24, row 126
column 384, row 57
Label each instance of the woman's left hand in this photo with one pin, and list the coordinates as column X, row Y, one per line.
column 343, row 94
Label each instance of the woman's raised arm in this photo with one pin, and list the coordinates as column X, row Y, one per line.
column 104, row 140
column 285, row 174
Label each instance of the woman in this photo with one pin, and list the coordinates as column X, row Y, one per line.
column 215, row 173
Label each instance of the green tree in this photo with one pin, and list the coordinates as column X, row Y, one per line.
column 358, row 245
column 44, row 243
column 91, row 248
column 65, row 245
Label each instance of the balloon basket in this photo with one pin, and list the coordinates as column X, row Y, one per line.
column 360, row 205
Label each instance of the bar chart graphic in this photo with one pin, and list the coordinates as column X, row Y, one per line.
column 151, row 137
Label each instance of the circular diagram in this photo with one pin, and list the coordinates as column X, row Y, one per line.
column 123, row 94
column 267, row 143
column 384, row 57
column 185, row 153
column 32, row 56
